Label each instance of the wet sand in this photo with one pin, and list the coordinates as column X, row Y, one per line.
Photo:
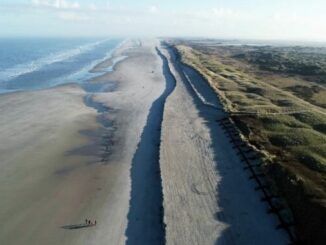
column 53, row 174
column 42, row 185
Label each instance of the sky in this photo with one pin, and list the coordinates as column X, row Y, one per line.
column 246, row 19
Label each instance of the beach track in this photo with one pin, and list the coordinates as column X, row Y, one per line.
column 208, row 197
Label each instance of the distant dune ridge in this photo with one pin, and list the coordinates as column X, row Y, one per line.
column 274, row 95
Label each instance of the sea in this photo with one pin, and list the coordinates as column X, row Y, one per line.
column 39, row 63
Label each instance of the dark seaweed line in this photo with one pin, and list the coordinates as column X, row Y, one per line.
column 107, row 136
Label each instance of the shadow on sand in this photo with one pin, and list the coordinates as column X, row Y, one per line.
column 240, row 207
column 145, row 217
column 77, row 226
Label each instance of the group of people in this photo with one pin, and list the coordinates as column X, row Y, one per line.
column 89, row 222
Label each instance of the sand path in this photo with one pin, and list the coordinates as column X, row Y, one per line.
column 208, row 198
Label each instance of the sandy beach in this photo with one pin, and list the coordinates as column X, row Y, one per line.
column 208, row 198
column 58, row 165
column 145, row 160
column 43, row 182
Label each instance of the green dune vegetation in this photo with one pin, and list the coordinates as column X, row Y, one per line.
column 277, row 98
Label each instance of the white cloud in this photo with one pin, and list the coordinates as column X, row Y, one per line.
column 57, row 4
column 227, row 13
column 298, row 26
column 207, row 22
column 72, row 16
column 93, row 7
column 153, row 9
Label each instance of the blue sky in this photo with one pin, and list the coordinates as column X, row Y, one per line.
column 251, row 19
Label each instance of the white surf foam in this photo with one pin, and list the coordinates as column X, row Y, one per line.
column 35, row 65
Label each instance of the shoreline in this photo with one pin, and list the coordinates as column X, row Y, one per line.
column 65, row 161
column 145, row 159
column 82, row 77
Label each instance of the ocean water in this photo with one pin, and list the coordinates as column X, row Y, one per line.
column 37, row 63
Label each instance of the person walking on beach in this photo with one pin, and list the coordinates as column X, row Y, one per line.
column 95, row 222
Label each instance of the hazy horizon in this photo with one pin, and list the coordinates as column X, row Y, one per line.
column 253, row 20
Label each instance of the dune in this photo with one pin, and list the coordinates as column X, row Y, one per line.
column 208, row 197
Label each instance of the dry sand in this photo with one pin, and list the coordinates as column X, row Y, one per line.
column 140, row 83
column 208, row 198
